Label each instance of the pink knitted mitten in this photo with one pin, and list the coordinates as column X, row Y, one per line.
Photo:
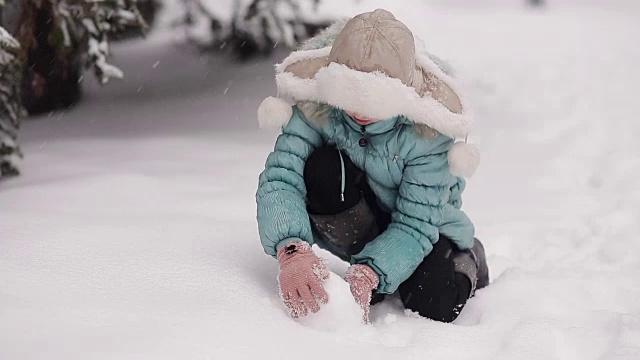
column 300, row 278
column 362, row 280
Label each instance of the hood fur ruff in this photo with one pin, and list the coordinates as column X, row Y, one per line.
column 361, row 92
column 431, row 98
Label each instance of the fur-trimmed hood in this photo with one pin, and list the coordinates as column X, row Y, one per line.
column 370, row 65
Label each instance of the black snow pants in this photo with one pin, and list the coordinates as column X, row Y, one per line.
column 346, row 217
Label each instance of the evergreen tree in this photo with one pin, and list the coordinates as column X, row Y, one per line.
column 43, row 46
column 60, row 36
column 10, row 106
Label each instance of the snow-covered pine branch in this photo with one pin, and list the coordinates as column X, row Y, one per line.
column 94, row 21
column 249, row 27
column 10, row 105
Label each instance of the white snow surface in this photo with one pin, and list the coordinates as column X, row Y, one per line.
column 131, row 233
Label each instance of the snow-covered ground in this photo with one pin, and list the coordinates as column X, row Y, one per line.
column 132, row 235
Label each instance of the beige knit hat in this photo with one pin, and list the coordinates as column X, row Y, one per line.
column 373, row 69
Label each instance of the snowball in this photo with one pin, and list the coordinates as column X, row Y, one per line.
column 341, row 311
column 390, row 319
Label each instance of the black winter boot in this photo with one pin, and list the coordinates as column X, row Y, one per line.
column 473, row 264
column 445, row 280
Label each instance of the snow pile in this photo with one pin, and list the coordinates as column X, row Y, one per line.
column 341, row 313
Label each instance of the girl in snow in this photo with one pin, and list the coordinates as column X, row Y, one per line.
column 366, row 167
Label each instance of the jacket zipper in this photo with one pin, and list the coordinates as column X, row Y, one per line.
column 363, row 130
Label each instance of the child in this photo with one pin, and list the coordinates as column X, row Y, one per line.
column 365, row 168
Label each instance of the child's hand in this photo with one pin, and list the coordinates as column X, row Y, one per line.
column 300, row 278
column 362, row 280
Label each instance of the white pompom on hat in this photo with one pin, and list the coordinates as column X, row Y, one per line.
column 274, row 112
column 464, row 159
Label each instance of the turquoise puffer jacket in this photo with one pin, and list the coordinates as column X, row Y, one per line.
column 407, row 170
